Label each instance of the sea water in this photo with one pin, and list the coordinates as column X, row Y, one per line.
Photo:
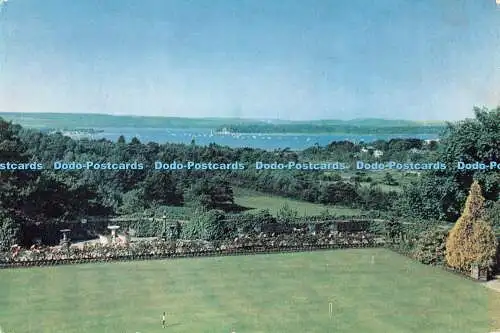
column 268, row 141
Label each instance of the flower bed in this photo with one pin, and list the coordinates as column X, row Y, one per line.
column 160, row 249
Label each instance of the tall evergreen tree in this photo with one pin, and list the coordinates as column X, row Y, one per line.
column 472, row 240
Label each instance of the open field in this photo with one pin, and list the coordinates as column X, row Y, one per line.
column 256, row 200
column 384, row 187
column 371, row 290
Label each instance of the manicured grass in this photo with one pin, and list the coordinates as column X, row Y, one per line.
column 263, row 293
column 384, row 187
column 257, row 200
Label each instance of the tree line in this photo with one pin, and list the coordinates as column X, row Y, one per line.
column 47, row 195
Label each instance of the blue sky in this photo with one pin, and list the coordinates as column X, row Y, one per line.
column 421, row 60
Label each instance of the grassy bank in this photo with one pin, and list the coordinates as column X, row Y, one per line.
column 256, row 200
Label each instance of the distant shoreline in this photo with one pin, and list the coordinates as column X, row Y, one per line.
column 296, row 136
column 228, row 119
column 92, row 123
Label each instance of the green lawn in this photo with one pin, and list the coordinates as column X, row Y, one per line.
column 384, row 187
column 256, row 200
column 264, row 293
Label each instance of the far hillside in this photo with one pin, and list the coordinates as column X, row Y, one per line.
column 360, row 126
column 82, row 120
column 72, row 121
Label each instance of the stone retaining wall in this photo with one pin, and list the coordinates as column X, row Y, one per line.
column 189, row 254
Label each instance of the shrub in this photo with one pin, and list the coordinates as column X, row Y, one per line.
column 472, row 240
column 286, row 214
column 430, row 247
column 205, row 225
column 249, row 220
column 9, row 231
column 494, row 214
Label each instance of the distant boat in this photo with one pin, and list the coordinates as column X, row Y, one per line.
column 224, row 131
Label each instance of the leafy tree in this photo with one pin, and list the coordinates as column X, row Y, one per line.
column 339, row 193
column 133, row 201
column 374, row 197
column 472, row 240
column 121, row 140
column 442, row 193
column 431, row 197
column 210, row 193
column 160, row 187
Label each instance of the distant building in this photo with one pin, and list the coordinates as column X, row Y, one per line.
column 378, row 153
column 364, row 150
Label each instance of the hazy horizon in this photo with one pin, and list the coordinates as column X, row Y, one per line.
column 221, row 117
column 251, row 59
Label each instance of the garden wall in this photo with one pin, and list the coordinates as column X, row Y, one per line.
column 162, row 249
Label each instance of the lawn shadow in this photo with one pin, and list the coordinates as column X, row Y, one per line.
column 234, row 208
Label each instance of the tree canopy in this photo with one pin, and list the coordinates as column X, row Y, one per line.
column 440, row 194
